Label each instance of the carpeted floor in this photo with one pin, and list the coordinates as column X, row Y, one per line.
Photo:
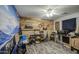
column 49, row 47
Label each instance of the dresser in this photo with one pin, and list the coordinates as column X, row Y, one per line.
column 74, row 43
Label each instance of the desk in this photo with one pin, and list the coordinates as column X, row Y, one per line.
column 64, row 40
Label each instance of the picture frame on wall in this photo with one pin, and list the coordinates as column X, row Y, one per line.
column 57, row 26
column 28, row 25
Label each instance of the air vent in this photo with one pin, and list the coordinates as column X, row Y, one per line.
column 64, row 13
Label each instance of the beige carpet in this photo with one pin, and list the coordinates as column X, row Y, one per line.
column 49, row 47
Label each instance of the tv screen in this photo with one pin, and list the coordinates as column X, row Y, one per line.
column 69, row 25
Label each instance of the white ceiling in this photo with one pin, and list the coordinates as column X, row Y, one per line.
column 38, row 10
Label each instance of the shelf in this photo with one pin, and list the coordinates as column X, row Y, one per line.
column 30, row 30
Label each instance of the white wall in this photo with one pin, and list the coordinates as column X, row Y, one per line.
column 74, row 15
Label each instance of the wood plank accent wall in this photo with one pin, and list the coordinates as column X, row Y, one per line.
column 36, row 23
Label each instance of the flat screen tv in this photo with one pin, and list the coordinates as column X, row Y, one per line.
column 69, row 25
